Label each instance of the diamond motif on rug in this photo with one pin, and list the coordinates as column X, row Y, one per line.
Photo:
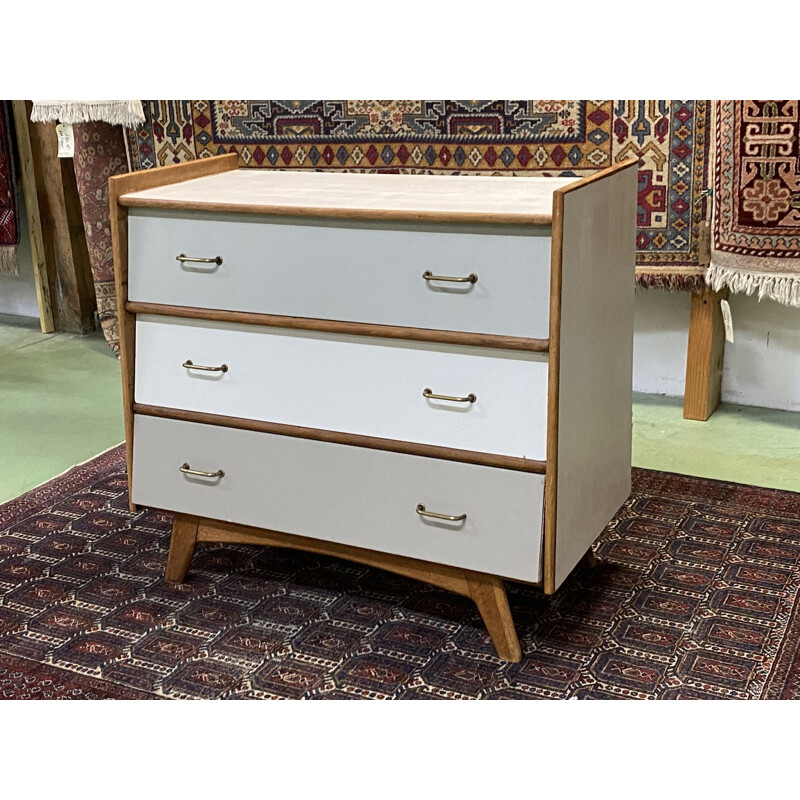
column 696, row 595
column 470, row 137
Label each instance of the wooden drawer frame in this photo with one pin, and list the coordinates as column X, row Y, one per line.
column 593, row 218
column 360, row 271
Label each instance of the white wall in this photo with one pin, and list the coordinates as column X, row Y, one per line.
column 761, row 367
column 18, row 292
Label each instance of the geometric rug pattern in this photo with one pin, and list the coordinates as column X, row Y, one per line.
column 757, row 199
column 99, row 155
column 758, row 178
column 516, row 138
column 695, row 596
column 9, row 222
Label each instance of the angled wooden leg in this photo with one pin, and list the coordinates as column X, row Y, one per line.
column 589, row 560
column 489, row 594
column 181, row 547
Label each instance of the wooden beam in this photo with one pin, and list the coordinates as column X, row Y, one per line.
column 40, row 271
column 71, row 285
column 704, row 355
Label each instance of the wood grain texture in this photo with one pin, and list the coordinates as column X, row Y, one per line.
column 370, row 442
column 335, row 213
column 489, row 594
column 704, row 356
column 554, row 352
column 71, row 288
column 594, row 364
column 181, row 547
column 118, row 185
column 177, row 173
column 335, row 326
column 363, row 196
column 28, row 175
column 487, row 591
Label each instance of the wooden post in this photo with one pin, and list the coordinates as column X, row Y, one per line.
column 704, row 355
column 181, row 547
column 40, row 271
column 71, row 286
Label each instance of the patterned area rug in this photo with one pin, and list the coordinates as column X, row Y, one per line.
column 757, row 221
column 485, row 137
column 9, row 227
column 695, row 596
column 99, row 154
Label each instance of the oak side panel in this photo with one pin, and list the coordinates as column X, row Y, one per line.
column 593, row 348
column 551, row 472
column 117, row 186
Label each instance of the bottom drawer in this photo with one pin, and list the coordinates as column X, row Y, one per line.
column 339, row 493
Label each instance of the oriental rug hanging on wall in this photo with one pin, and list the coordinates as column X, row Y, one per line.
column 9, row 226
column 757, row 191
column 470, row 137
column 99, row 154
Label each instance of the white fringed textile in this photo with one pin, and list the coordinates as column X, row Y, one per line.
column 8, row 260
column 746, row 275
column 128, row 113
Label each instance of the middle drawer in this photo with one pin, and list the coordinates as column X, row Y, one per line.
column 354, row 384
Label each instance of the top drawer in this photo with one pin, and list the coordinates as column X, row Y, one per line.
column 345, row 270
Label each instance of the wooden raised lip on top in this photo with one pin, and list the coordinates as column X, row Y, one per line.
column 281, row 208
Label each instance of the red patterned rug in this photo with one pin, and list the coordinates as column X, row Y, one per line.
column 9, row 226
column 757, row 189
column 99, row 154
column 460, row 137
column 695, row 596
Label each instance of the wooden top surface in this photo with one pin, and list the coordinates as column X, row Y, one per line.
column 361, row 195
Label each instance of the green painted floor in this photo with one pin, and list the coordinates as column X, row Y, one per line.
column 743, row 444
column 61, row 404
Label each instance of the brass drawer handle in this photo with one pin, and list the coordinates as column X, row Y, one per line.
column 187, row 470
column 423, row 513
column 429, row 276
column 470, row 398
column 184, row 259
column 190, row 365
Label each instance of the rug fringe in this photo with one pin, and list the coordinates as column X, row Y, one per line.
column 671, row 282
column 9, row 263
column 784, row 289
column 115, row 112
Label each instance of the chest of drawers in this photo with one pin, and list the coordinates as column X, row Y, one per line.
column 427, row 374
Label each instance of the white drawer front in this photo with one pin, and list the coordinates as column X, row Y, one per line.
column 362, row 272
column 351, row 495
column 355, row 384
